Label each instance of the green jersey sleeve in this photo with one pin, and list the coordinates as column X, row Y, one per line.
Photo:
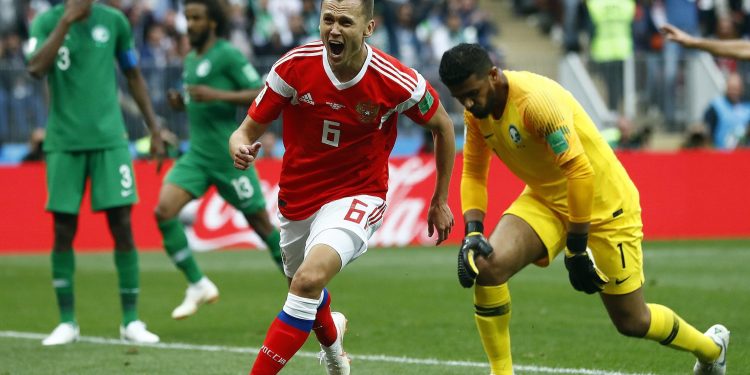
column 41, row 27
column 241, row 72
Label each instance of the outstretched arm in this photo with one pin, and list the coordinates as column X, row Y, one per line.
column 440, row 218
column 735, row 48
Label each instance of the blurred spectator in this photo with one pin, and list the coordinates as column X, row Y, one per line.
column 612, row 43
column 683, row 14
column 696, row 138
column 727, row 116
column 571, row 24
column 268, row 149
column 24, row 97
column 450, row 34
column 5, row 75
column 156, row 53
column 407, row 47
column 171, row 143
column 625, row 136
column 379, row 38
column 36, row 142
column 12, row 17
column 265, row 34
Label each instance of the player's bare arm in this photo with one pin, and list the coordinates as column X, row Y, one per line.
column 41, row 62
column 735, row 48
column 243, row 143
column 203, row 93
column 139, row 90
column 439, row 215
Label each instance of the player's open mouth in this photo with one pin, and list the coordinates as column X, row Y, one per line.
column 335, row 47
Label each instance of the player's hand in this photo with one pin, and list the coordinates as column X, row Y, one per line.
column 202, row 93
column 158, row 149
column 440, row 220
column 76, row 10
column 244, row 155
column 175, row 99
column 675, row 34
column 583, row 273
column 474, row 244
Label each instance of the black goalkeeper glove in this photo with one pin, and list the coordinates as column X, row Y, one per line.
column 582, row 271
column 474, row 244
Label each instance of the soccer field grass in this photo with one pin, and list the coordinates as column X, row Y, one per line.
column 407, row 315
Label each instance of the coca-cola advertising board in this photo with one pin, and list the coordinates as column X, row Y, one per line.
column 687, row 194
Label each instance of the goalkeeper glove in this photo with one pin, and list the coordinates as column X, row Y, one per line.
column 473, row 244
column 582, row 271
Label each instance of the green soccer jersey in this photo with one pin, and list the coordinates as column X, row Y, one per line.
column 84, row 109
column 222, row 67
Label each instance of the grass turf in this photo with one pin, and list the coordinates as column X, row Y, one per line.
column 400, row 303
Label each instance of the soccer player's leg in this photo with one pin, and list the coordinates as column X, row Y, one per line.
column 522, row 237
column 617, row 250
column 113, row 190
column 242, row 190
column 336, row 236
column 293, row 324
column 66, row 176
column 185, row 181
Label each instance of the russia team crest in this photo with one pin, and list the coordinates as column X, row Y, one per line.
column 368, row 111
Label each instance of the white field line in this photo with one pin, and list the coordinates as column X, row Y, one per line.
column 360, row 357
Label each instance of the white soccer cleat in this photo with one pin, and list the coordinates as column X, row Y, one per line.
column 335, row 358
column 64, row 333
column 136, row 333
column 204, row 291
column 720, row 335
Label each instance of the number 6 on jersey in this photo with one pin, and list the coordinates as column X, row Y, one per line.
column 331, row 133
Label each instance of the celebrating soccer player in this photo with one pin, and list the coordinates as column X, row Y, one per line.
column 217, row 79
column 340, row 99
column 75, row 45
column 578, row 199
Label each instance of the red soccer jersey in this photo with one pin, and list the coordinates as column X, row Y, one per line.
column 338, row 135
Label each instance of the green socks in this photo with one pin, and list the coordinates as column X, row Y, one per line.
column 272, row 241
column 176, row 244
column 126, row 263
column 63, row 267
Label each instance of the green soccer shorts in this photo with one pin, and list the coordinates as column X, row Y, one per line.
column 239, row 188
column 110, row 171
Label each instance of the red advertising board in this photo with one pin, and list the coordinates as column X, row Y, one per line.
column 698, row 194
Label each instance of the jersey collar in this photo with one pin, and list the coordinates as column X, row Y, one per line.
column 345, row 85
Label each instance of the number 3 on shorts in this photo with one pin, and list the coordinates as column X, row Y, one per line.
column 127, row 176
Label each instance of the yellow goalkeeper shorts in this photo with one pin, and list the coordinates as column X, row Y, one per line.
column 616, row 245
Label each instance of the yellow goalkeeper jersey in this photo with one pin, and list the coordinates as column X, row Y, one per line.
column 541, row 129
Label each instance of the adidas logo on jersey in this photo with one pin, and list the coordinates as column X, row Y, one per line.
column 307, row 98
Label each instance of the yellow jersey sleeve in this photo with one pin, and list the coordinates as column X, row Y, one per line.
column 550, row 119
column 476, row 167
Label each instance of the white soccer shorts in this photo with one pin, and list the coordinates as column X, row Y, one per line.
column 358, row 217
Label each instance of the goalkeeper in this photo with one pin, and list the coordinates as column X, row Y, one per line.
column 577, row 197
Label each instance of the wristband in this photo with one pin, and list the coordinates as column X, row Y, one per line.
column 474, row 226
column 576, row 242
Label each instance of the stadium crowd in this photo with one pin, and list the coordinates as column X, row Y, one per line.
column 574, row 23
column 415, row 31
